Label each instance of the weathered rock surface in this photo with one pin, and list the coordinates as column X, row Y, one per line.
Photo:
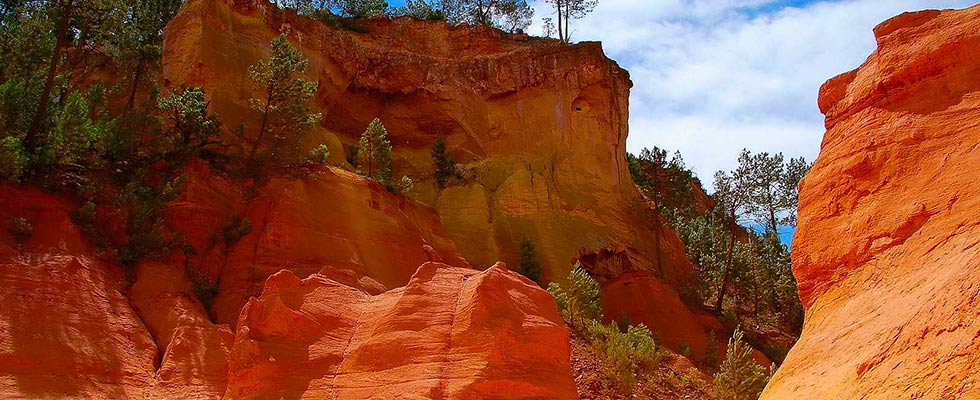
column 539, row 126
column 338, row 224
column 887, row 253
column 67, row 328
column 450, row 333
column 70, row 328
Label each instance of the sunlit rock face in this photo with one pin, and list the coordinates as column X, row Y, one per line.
column 72, row 326
column 450, row 333
column 539, row 126
column 886, row 248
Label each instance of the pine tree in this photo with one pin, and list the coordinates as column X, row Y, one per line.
column 529, row 266
column 374, row 153
column 580, row 302
column 193, row 127
column 284, row 105
column 567, row 10
column 445, row 166
column 740, row 377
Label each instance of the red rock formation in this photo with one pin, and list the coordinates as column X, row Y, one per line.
column 69, row 328
column 337, row 223
column 886, row 252
column 541, row 126
column 66, row 327
column 450, row 333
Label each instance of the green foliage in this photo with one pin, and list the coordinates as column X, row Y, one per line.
column 17, row 101
column 361, row 8
column 235, row 230
column 284, row 105
column 567, row 10
column 204, row 289
column 75, row 141
column 422, row 9
column 192, row 127
column 739, row 376
column 580, row 302
column 21, row 229
column 667, row 182
column 13, row 160
column 146, row 231
column 85, row 217
column 529, row 265
column 401, row 186
column 374, row 154
column 445, row 166
column 319, row 155
column 351, row 156
column 627, row 356
column 684, row 349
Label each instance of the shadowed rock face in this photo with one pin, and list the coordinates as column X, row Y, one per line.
column 886, row 251
column 541, row 126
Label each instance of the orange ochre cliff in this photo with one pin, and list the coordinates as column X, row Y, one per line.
column 887, row 253
column 341, row 289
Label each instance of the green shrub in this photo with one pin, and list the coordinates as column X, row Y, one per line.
column 235, row 230
column 403, row 185
column 204, row 289
column 684, row 349
column 739, row 376
column 352, row 150
column 13, row 159
column 336, row 21
column 580, row 303
column 85, row 217
column 192, row 126
column 529, row 266
column 627, row 356
column 319, row 155
column 445, row 166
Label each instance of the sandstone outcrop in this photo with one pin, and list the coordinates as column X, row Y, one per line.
column 540, row 127
column 449, row 333
column 886, row 254
column 70, row 327
column 338, row 224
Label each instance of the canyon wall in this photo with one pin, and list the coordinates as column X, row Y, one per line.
column 323, row 295
column 886, row 252
column 538, row 126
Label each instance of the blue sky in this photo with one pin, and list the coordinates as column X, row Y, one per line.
column 713, row 76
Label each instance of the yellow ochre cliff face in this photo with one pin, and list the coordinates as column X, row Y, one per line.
column 540, row 127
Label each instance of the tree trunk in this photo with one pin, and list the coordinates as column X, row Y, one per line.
column 728, row 267
column 31, row 139
column 772, row 221
column 136, row 78
column 262, row 127
column 561, row 35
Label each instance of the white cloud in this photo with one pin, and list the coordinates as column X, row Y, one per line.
column 713, row 76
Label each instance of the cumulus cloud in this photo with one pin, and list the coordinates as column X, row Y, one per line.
column 713, row 76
